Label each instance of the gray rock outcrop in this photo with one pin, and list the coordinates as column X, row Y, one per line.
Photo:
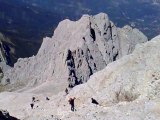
column 127, row 89
column 76, row 51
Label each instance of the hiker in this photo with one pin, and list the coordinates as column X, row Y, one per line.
column 66, row 91
column 71, row 102
column 33, row 99
column 47, row 98
column 32, row 105
column 94, row 101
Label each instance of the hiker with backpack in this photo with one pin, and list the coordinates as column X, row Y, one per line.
column 94, row 101
column 71, row 102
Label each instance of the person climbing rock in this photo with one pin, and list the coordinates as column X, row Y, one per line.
column 66, row 91
column 94, row 101
column 71, row 102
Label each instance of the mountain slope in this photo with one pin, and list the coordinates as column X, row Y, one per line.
column 127, row 89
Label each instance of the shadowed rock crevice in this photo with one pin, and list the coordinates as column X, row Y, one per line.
column 115, row 57
column 93, row 34
column 72, row 79
column 110, row 28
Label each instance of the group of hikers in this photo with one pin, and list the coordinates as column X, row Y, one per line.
column 71, row 101
column 33, row 101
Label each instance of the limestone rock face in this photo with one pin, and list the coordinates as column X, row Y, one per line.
column 128, row 38
column 127, row 89
column 76, row 51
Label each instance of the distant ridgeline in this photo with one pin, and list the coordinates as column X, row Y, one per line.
column 4, row 51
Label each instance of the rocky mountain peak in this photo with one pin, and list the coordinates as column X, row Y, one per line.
column 125, row 87
column 77, row 50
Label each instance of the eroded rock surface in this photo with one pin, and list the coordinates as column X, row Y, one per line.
column 77, row 50
column 127, row 89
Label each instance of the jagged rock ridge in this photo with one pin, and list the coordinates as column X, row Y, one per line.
column 76, row 51
column 128, row 89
